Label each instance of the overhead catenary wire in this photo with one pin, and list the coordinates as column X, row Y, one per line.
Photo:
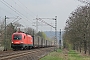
column 18, row 12
column 9, row 7
column 15, row 18
column 2, row 9
column 13, row 9
column 22, row 8
column 44, row 22
column 26, row 7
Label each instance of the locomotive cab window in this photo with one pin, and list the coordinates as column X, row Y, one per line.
column 17, row 37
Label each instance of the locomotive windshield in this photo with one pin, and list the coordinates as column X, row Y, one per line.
column 17, row 37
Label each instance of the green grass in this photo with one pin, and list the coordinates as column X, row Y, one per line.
column 74, row 56
column 62, row 55
column 53, row 56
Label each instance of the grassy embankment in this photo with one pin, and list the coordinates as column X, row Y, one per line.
column 65, row 55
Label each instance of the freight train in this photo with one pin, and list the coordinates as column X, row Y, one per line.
column 23, row 41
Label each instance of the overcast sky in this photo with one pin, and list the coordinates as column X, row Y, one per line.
column 28, row 10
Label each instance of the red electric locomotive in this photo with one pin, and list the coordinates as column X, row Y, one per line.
column 21, row 41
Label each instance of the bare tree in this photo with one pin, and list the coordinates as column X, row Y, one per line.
column 87, row 2
column 77, row 30
column 29, row 31
column 17, row 24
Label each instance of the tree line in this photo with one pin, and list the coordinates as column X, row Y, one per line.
column 77, row 30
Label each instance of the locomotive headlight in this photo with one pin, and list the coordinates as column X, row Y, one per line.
column 21, row 42
column 12, row 42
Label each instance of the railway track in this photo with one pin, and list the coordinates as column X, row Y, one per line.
column 19, row 54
